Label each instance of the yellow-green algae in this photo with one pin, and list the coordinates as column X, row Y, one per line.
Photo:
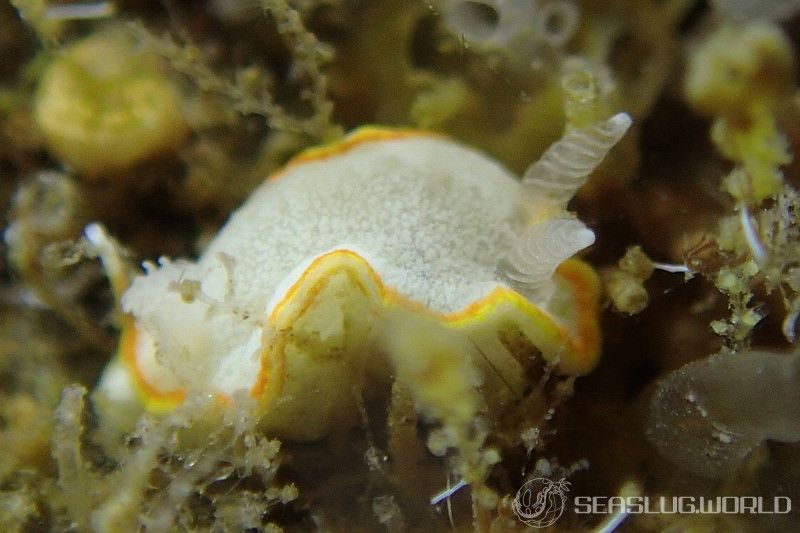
column 103, row 105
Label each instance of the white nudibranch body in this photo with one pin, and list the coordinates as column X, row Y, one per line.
column 301, row 298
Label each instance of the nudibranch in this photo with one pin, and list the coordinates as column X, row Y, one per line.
column 391, row 253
